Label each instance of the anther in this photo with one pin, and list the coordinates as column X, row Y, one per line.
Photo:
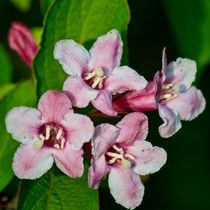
column 62, row 143
column 47, row 132
column 42, row 138
column 56, row 146
column 59, row 133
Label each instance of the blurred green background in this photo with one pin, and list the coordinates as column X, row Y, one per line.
column 183, row 27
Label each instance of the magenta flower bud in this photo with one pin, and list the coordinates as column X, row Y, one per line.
column 21, row 40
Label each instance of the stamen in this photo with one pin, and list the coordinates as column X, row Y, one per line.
column 47, row 132
column 59, row 133
column 96, row 81
column 38, row 144
column 42, row 138
column 118, row 149
column 165, row 96
column 129, row 156
column 89, row 75
column 62, row 143
column 56, row 146
column 111, row 154
column 167, row 86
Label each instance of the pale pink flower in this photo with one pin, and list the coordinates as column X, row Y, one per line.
column 122, row 152
column 22, row 41
column 53, row 132
column 96, row 75
column 172, row 94
column 176, row 98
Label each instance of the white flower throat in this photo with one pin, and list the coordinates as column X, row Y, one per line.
column 51, row 135
column 116, row 154
column 95, row 78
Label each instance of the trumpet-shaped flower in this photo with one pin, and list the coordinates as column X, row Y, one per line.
column 96, row 75
column 122, row 152
column 171, row 93
column 53, row 132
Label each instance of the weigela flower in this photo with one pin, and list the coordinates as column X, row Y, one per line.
column 21, row 40
column 96, row 75
column 53, row 132
column 175, row 96
column 122, row 152
column 172, row 94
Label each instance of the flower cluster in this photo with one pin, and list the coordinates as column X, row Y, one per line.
column 53, row 132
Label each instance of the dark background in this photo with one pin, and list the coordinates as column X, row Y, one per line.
column 184, row 182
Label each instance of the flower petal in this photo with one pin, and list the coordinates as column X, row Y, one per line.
column 143, row 100
column 78, row 91
column 126, row 187
column 182, row 72
column 103, row 102
column 164, row 65
column 189, row 104
column 72, row 56
column 31, row 163
column 69, row 161
column 79, row 129
column 171, row 121
column 124, row 78
column 97, row 171
column 133, row 126
column 148, row 159
column 54, row 105
column 104, row 137
column 23, row 123
column 106, row 51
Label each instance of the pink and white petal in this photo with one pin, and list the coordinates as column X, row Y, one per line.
column 133, row 126
column 97, row 171
column 189, row 104
column 171, row 121
column 31, row 163
column 144, row 100
column 79, row 92
column 72, row 56
column 103, row 102
column 54, row 105
column 104, row 137
column 23, row 123
column 69, row 161
column 124, row 78
column 79, row 129
column 126, row 187
column 148, row 159
column 106, row 51
column 181, row 72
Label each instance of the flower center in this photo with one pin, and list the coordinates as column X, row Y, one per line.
column 168, row 92
column 51, row 135
column 118, row 154
column 95, row 78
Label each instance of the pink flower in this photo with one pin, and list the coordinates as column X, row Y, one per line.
column 96, row 75
column 176, row 98
column 53, row 132
column 22, row 41
column 172, row 94
column 122, row 152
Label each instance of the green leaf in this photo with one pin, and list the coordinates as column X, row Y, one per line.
column 190, row 23
column 4, row 89
column 23, row 95
column 81, row 20
column 22, row 5
column 45, row 4
column 55, row 191
column 5, row 67
column 37, row 33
